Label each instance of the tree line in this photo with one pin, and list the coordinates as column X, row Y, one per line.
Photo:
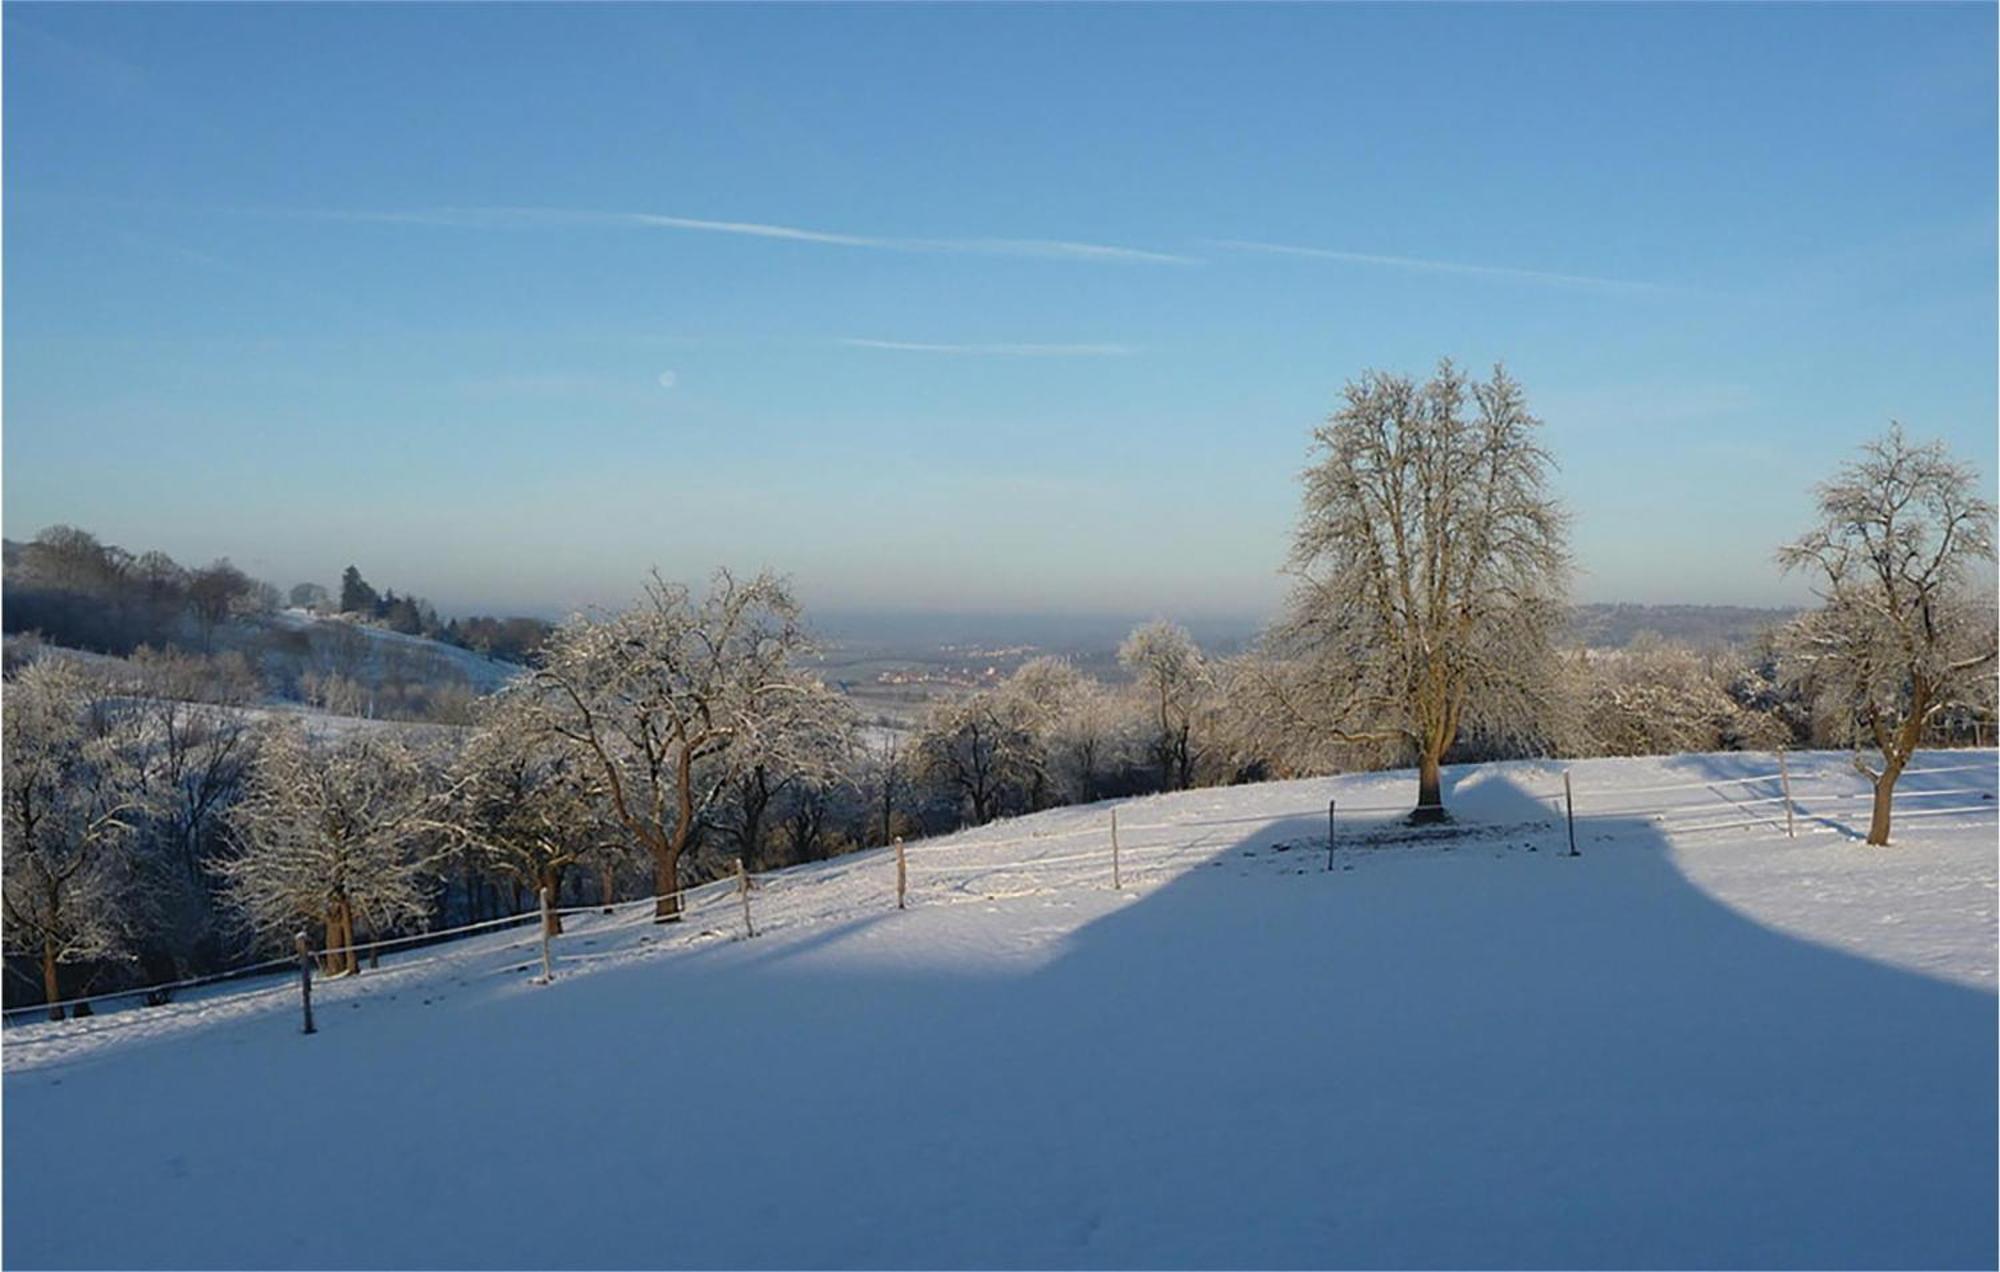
column 72, row 589
column 649, row 749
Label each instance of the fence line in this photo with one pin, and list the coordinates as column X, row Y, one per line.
column 739, row 887
column 290, row 961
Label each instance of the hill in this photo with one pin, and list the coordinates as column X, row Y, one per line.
column 1700, row 1042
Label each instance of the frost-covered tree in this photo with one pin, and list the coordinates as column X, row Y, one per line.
column 980, row 754
column 73, row 801
column 670, row 698
column 884, row 777
column 1080, row 726
column 1431, row 567
column 1905, row 629
column 333, row 838
column 194, row 753
column 527, row 806
column 804, row 742
column 1172, row 678
column 1654, row 697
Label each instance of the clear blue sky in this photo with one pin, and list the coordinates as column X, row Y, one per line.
column 965, row 307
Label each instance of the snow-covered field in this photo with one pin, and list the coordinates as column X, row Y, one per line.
column 1685, row 1047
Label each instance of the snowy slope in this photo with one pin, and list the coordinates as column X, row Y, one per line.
column 1685, row 1047
column 484, row 674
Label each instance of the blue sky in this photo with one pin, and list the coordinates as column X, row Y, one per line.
column 965, row 308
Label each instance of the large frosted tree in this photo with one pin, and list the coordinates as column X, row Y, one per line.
column 1172, row 677
column 73, row 801
column 1906, row 625
column 526, row 806
column 334, row 837
column 1431, row 566
column 669, row 701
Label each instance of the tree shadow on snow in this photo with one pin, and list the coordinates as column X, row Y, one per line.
column 1472, row 1050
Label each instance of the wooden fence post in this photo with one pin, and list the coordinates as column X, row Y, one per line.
column 548, row 964
column 743, row 891
column 902, row 873
column 1117, row 884
column 305, row 978
column 1329, row 833
column 1785, row 777
column 1569, row 814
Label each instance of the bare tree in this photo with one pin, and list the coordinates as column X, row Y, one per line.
column 1080, row 726
column 1173, row 677
column 195, row 749
column 213, row 593
column 804, row 741
column 887, row 775
column 310, row 596
column 668, row 698
column 332, row 836
column 73, row 800
column 528, row 806
column 1653, row 697
column 981, row 753
column 1900, row 635
column 1431, row 568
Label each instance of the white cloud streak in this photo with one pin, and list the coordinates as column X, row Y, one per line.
column 513, row 218
column 1444, row 267
column 996, row 350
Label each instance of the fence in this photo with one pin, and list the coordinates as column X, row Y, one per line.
column 1118, row 860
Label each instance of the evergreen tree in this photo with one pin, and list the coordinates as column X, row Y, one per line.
column 356, row 597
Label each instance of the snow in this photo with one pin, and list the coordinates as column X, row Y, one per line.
column 1677, row 1049
column 484, row 674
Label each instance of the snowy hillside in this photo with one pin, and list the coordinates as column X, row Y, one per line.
column 484, row 674
column 1698, row 1043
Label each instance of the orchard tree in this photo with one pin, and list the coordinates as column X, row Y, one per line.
column 1077, row 722
column 1172, row 678
column 1905, row 629
column 197, row 747
column 1431, row 567
column 807, row 740
column 73, row 801
column 670, row 699
column 527, row 806
column 981, row 753
column 332, row 836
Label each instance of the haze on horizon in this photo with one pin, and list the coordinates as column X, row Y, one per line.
column 1002, row 309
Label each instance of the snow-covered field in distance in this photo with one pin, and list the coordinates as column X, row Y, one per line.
column 1683, row 1048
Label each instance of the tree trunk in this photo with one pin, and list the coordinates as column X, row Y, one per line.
column 607, row 885
column 1885, row 799
column 552, row 881
column 1896, row 753
column 1430, row 793
column 666, row 883
column 1878, row 823
column 51, row 982
column 339, row 957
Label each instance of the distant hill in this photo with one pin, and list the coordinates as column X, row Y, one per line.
column 1704, row 626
